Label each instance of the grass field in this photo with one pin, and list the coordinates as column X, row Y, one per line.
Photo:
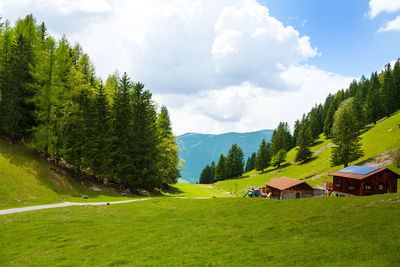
column 350, row 231
column 375, row 140
column 198, row 190
column 26, row 180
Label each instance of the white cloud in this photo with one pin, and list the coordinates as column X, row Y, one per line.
column 379, row 6
column 391, row 25
column 247, row 107
column 219, row 66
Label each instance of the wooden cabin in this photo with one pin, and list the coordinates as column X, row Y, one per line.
column 287, row 188
column 363, row 181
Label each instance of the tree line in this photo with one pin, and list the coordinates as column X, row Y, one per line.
column 269, row 154
column 341, row 118
column 51, row 99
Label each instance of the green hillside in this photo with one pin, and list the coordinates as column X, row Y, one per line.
column 26, row 180
column 353, row 231
column 376, row 139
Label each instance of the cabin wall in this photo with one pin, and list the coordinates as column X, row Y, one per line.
column 298, row 191
column 379, row 183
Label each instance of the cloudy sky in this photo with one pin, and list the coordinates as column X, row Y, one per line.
column 228, row 65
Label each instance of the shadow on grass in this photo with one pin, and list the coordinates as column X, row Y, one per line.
column 316, row 143
column 366, row 129
column 308, row 160
column 172, row 190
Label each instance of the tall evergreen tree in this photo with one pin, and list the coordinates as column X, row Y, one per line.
column 329, row 120
column 250, row 164
column 99, row 135
column 373, row 105
column 145, row 140
column 281, row 138
column 346, row 136
column 278, row 158
column 263, row 156
column 304, row 143
column 17, row 90
column 122, row 128
column 169, row 152
column 234, row 162
column 388, row 92
column 220, row 170
column 396, row 83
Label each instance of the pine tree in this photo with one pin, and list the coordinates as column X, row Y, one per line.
column 250, row 163
column 17, row 90
column 145, row 140
column 373, row 105
column 329, row 120
column 388, row 92
column 169, row 152
column 346, row 136
column 205, row 176
column 396, row 83
column 122, row 128
column 278, row 158
column 263, row 156
column 234, row 162
column 220, row 170
column 304, row 143
column 99, row 135
column 281, row 138
column 296, row 130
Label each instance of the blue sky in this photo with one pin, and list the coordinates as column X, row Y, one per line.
column 348, row 40
column 228, row 65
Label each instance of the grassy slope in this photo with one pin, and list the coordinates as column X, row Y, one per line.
column 198, row 190
column 26, row 180
column 218, row 232
column 375, row 140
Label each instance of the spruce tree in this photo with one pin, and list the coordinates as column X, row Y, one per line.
column 220, row 170
column 263, row 156
column 122, row 145
column 373, row 105
column 278, row 158
column 169, row 152
column 144, row 136
column 346, row 136
column 234, row 162
column 304, row 143
column 388, row 92
column 329, row 120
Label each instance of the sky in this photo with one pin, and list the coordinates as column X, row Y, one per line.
column 228, row 65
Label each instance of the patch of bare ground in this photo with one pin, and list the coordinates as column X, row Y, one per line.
column 379, row 161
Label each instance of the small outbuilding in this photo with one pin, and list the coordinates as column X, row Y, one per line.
column 288, row 188
column 363, row 181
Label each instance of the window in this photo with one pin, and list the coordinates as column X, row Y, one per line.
column 380, row 186
column 368, row 186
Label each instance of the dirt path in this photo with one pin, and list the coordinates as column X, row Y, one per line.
column 64, row 204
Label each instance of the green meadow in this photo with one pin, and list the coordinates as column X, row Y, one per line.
column 350, row 231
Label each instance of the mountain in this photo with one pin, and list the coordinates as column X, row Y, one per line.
column 198, row 150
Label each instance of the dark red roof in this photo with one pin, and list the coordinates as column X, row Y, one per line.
column 283, row 183
column 360, row 176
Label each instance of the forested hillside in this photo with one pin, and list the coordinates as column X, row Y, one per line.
column 199, row 150
column 52, row 100
column 342, row 119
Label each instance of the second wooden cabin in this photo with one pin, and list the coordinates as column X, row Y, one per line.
column 287, row 188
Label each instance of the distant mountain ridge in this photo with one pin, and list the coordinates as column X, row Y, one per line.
column 198, row 150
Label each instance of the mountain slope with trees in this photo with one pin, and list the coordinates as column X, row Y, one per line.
column 52, row 100
column 199, row 150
